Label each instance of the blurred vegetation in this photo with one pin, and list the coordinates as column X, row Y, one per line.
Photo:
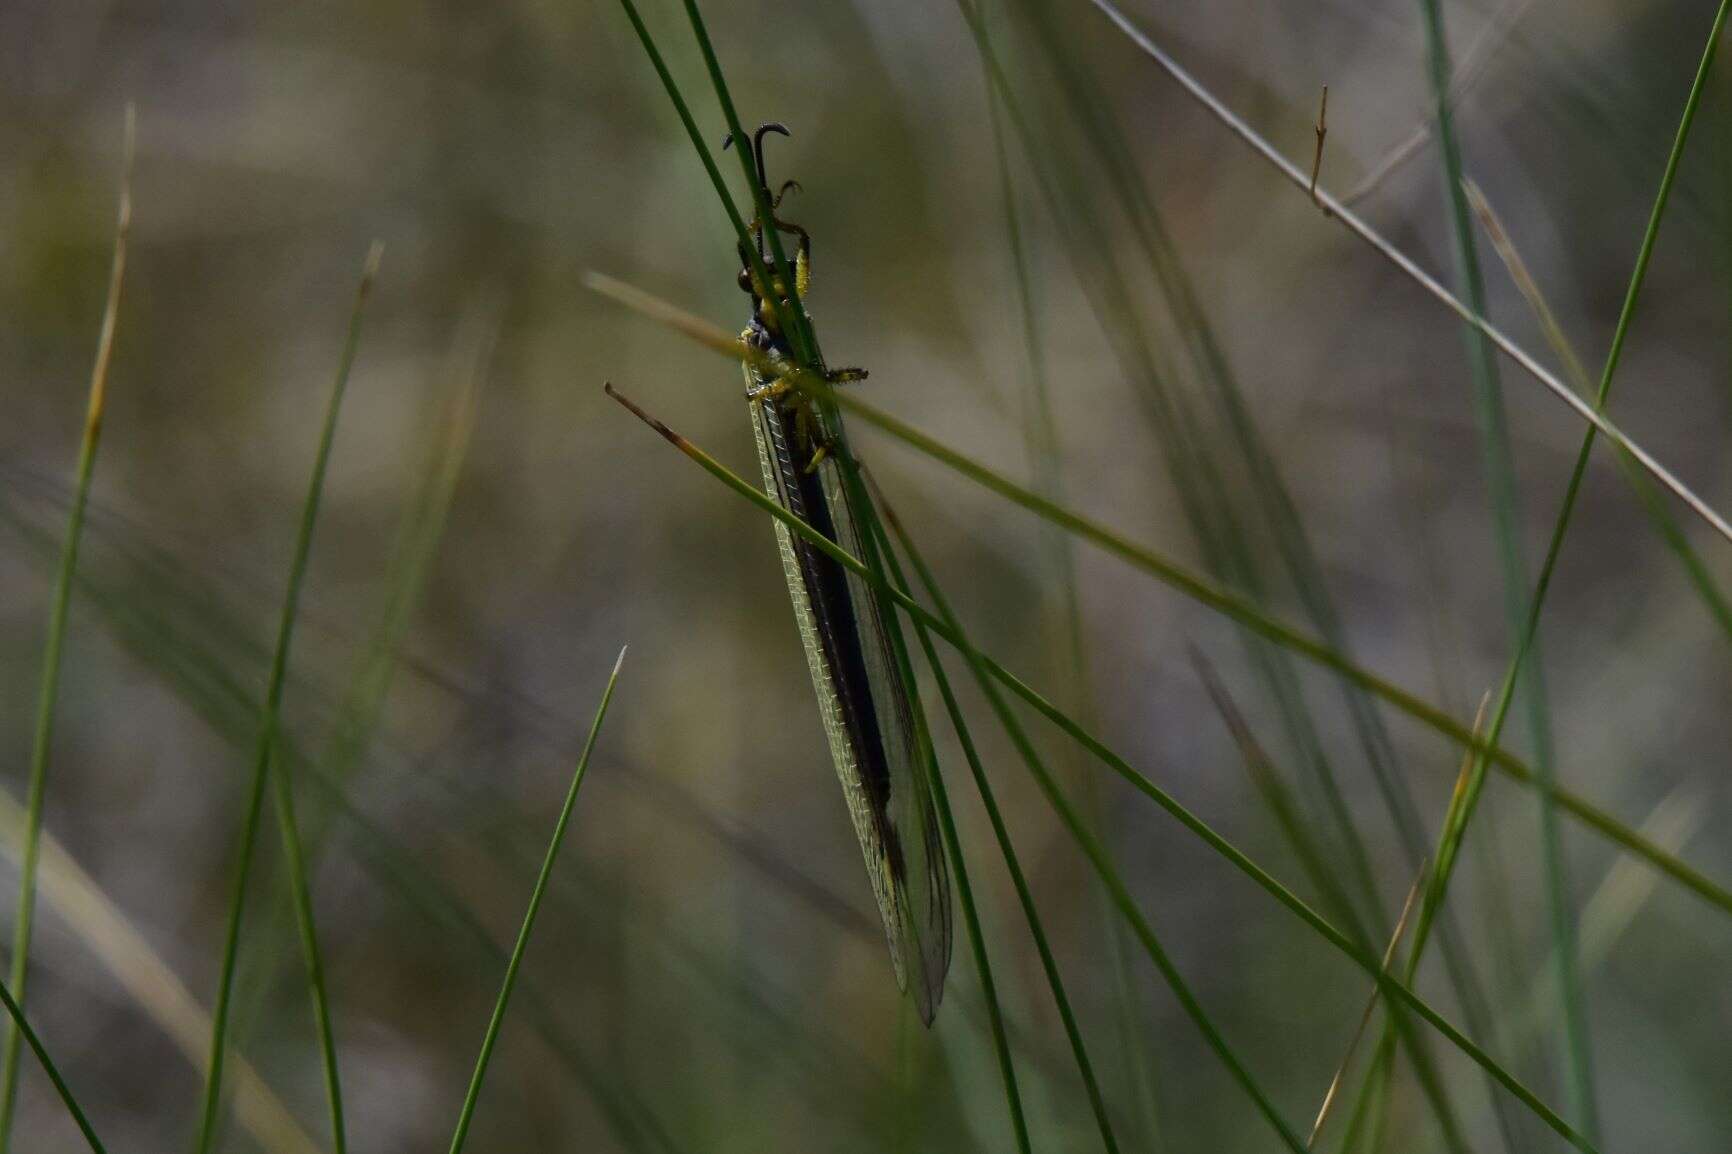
column 1052, row 261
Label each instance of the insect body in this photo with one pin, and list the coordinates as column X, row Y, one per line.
column 867, row 710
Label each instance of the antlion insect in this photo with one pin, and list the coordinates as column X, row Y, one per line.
column 866, row 706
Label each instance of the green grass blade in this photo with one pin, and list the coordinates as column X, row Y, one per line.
column 1339, row 212
column 265, row 751
column 1042, row 445
column 1498, row 463
column 16, row 1013
column 1293, row 824
column 1361, row 957
column 804, row 340
column 497, row 1020
column 1001, row 834
column 58, row 613
column 1452, row 842
column 1197, row 588
column 1667, row 525
column 677, row 98
column 1209, row 506
column 982, row 963
column 358, row 711
column 162, row 619
column 1096, row 853
column 93, row 918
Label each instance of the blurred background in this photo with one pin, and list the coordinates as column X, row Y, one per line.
column 1124, row 308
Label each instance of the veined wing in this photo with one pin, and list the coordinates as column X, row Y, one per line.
column 862, row 698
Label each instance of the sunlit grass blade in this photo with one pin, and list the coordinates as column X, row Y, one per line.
column 265, row 752
column 59, row 611
column 1177, row 577
column 1339, row 212
column 1498, row 464
column 1358, row 1035
column 1361, row 957
column 1096, row 853
column 1024, row 896
column 94, row 919
column 1371, row 1104
column 467, row 1113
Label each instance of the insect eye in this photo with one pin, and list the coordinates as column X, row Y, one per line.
column 745, row 280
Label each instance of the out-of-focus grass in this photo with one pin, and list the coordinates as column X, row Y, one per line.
column 675, row 1037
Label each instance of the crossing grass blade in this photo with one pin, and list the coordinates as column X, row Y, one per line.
column 361, row 705
column 1024, row 896
column 1169, row 573
column 266, row 752
column 466, row 1113
column 1096, row 853
column 1210, row 503
column 1282, row 806
column 1450, row 847
column 1671, row 532
column 1335, row 210
column 59, row 611
column 1361, row 957
column 1498, row 463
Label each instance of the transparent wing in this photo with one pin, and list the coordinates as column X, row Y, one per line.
column 865, row 705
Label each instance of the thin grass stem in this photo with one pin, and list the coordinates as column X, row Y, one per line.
column 1000, row 832
column 1168, row 572
column 16, row 1012
column 59, row 612
column 267, row 749
column 496, row 1021
column 1336, row 210
column 1097, row 855
column 1340, row 941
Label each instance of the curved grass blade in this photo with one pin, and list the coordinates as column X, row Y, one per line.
column 59, row 611
column 1361, row 957
column 1024, row 896
column 1177, row 577
column 266, row 751
column 497, row 1020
